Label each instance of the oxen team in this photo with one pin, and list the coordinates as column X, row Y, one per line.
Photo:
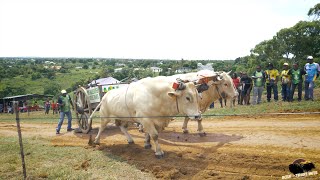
column 153, row 102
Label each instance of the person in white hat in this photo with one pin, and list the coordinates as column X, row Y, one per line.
column 285, row 82
column 64, row 102
column 312, row 69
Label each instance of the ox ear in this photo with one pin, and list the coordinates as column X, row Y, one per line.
column 174, row 94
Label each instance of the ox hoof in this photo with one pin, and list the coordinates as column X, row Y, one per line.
column 185, row 131
column 96, row 143
column 202, row 134
column 141, row 130
column 130, row 142
column 147, row 146
column 160, row 156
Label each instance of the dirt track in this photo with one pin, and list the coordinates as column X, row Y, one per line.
column 256, row 147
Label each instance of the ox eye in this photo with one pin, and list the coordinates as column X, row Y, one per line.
column 188, row 98
column 226, row 85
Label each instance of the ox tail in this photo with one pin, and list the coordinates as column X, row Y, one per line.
column 90, row 118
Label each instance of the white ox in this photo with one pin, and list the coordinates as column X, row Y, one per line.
column 151, row 102
column 219, row 83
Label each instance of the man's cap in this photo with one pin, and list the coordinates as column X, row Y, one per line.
column 63, row 91
column 285, row 64
column 309, row 57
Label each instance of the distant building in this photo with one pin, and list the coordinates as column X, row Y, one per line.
column 49, row 62
column 118, row 70
column 183, row 70
column 205, row 67
column 156, row 69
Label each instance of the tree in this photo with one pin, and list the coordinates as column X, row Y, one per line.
column 85, row 66
column 52, row 89
column 35, row 76
column 315, row 11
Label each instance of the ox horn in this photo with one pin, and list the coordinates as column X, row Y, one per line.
column 229, row 72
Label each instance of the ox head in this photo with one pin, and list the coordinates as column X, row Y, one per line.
column 187, row 100
column 225, row 85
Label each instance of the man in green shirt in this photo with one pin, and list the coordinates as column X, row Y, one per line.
column 296, row 80
column 259, row 78
column 64, row 102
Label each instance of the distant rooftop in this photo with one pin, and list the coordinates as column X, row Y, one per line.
column 104, row 81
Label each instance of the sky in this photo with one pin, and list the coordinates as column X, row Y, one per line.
column 143, row 29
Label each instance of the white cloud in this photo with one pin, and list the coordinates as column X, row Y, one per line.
column 177, row 29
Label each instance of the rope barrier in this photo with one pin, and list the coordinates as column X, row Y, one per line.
column 176, row 116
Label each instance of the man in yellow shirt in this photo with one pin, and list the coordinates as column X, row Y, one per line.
column 272, row 81
column 285, row 82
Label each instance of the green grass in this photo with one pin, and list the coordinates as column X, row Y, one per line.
column 46, row 161
column 272, row 107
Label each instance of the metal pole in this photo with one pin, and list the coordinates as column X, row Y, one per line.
column 20, row 140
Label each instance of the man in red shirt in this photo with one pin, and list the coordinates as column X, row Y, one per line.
column 236, row 82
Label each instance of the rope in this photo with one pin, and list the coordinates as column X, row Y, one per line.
column 177, row 116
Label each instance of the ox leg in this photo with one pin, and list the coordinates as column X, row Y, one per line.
column 200, row 128
column 147, row 144
column 101, row 129
column 140, row 128
column 185, row 125
column 154, row 135
column 125, row 132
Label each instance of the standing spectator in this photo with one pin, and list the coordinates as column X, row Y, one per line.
column 47, row 106
column 272, row 78
column 223, row 99
column 240, row 89
column 259, row 78
column 285, row 82
column 54, row 107
column 236, row 82
column 312, row 72
column 64, row 102
column 246, row 89
column 296, row 80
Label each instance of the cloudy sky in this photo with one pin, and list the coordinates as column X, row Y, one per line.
column 147, row 29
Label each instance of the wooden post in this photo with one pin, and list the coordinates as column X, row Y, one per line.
column 20, row 140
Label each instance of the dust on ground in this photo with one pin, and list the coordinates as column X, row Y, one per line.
column 252, row 147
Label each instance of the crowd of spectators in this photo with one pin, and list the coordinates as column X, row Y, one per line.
column 290, row 79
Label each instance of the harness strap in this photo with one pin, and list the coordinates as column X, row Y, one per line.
column 177, row 105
